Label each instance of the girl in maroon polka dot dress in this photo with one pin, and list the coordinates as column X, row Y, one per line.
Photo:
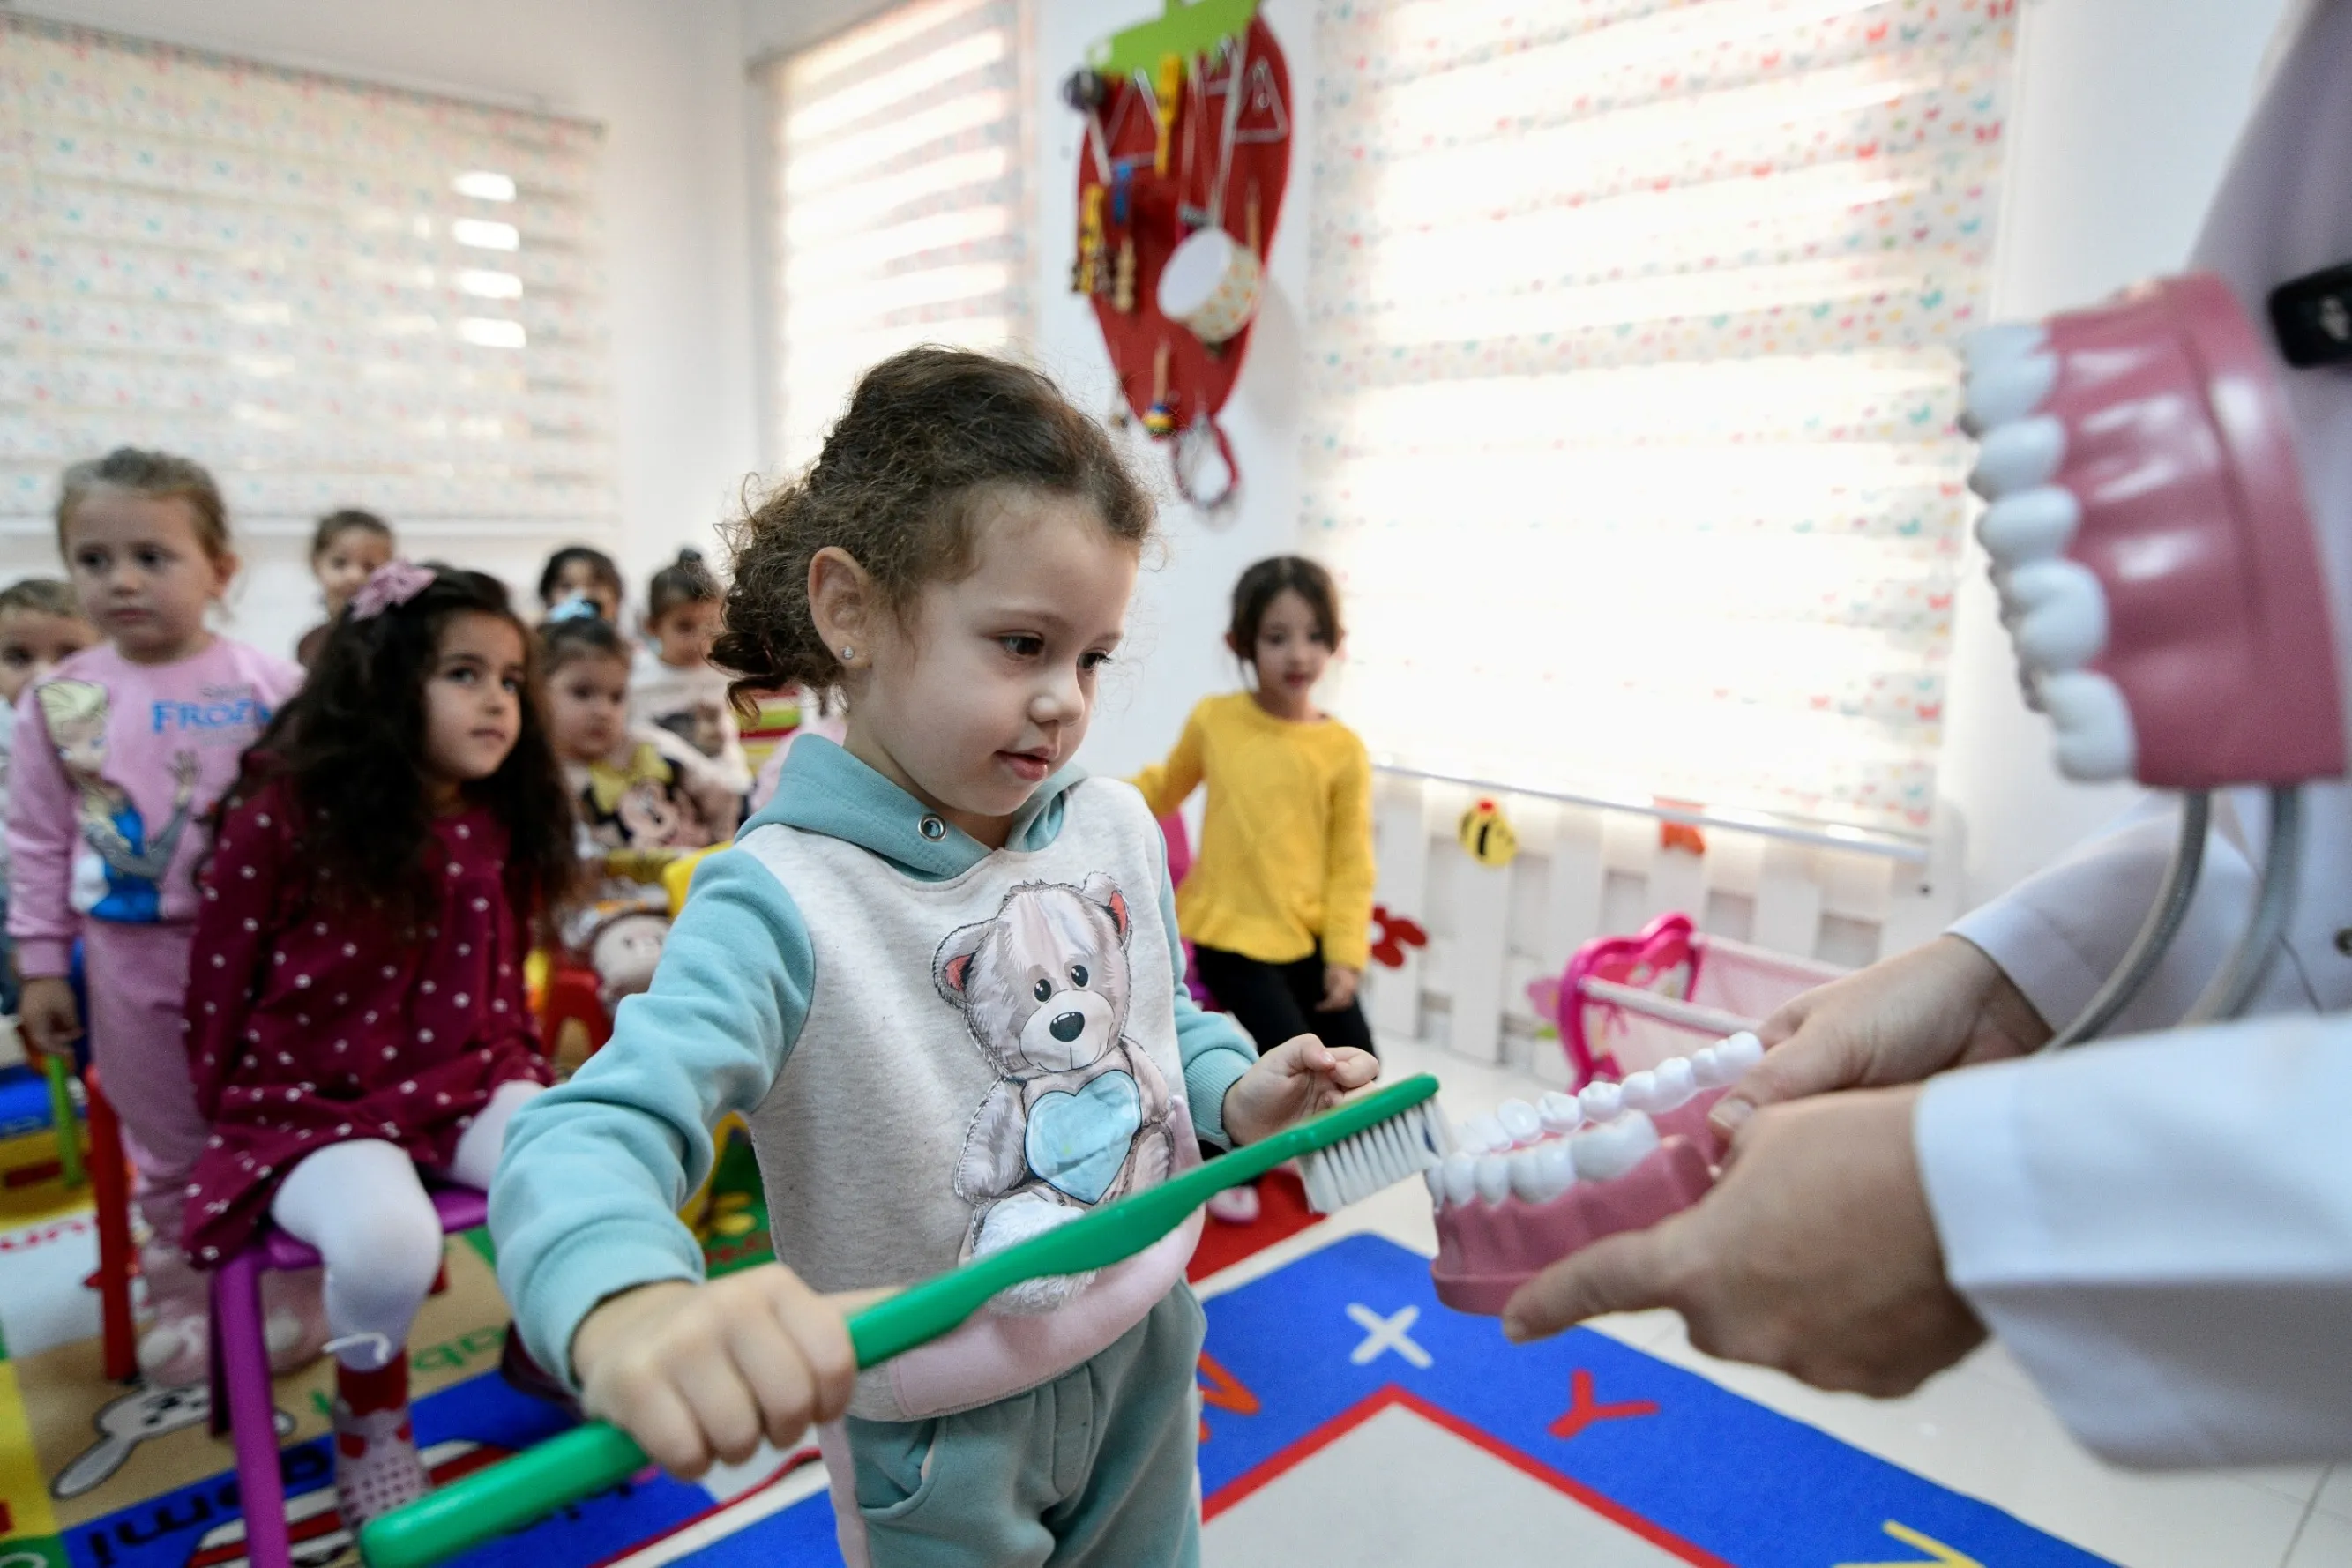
column 356, row 1021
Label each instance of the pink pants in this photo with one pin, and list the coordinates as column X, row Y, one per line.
column 136, row 977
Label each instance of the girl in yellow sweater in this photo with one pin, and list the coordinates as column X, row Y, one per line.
column 1278, row 904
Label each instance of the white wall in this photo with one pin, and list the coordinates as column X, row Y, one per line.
column 2125, row 113
column 1176, row 650
column 666, row 78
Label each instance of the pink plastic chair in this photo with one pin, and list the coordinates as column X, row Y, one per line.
column 1627, row 1002
column 241, row 1403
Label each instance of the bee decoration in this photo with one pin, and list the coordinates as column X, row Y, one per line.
column 1486, row 835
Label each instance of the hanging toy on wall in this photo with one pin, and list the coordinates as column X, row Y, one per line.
column 1185, row 156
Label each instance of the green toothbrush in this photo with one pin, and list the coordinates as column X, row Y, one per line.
column 1349, row 1151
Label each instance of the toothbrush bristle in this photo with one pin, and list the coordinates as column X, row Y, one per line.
column 1354, row 1169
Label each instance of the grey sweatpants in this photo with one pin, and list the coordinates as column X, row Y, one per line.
column 1095, row 1469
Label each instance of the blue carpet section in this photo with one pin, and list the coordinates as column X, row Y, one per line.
column 1727, row 1475
column 1290, row 1358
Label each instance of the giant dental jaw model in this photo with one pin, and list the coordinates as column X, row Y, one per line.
column 1532, row 1183
column 2160, row 581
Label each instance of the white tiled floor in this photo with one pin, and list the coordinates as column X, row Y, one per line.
column 1980, row 1428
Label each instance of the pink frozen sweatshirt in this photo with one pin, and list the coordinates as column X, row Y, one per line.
column 117, row 767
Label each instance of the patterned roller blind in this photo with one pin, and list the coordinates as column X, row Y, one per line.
column 1633, row 332
column 329, row 292
column 898, row 151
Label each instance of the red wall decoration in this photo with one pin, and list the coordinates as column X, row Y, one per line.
column 1154, row 169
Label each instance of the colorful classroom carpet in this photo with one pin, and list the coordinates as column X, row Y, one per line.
column 1347, row 1417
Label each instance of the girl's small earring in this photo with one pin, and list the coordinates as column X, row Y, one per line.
column 847, row 653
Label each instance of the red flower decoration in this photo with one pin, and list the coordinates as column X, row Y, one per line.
column 1391, row 934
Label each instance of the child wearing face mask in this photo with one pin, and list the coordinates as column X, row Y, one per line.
column 121, row 751
column 673, row 685
column 41, row 626
column 580, row 574
column 346, row 548
column 355, row 1005
column 1279, row 901
column 934, row 938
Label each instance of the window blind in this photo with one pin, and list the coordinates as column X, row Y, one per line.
column 331, row 293
column 898, row 154
column 1633, row 332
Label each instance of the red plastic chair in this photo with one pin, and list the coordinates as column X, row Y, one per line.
column 110, row 1186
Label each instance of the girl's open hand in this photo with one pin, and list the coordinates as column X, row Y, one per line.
column 699, row 1373
column 1292, row 1082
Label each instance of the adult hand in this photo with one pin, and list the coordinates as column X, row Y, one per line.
column 1292, row 1082
column 702, row 1371
column 1944, row 1004
column 47, row 1019
column 1339, row 984
column 1815, row 1254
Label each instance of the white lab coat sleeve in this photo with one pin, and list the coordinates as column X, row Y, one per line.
column 2060, row 933
column 2160, row 1231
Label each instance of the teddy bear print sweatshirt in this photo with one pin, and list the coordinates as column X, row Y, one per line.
column 940, row 1050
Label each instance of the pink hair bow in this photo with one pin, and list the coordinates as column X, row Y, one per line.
column 394, row 582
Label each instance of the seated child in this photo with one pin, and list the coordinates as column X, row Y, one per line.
column 641, row 794
column 578, row 571
column 345, row 549
column 356, row 1012
column 673, row 685
column 941, row 975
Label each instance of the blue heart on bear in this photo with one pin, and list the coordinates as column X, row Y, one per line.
column 1078, row 1141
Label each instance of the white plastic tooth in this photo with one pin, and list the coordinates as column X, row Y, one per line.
column 1988, row 349
column 1640, row 1091
column 1527, row 1177
column 1739, row 1053
column 1493, row 1177
column 1435, row 1178
column 2064, row 623
column 1605, row 1154
column 1707, row 1069
column 1520, row 1121
column 1488, row 1135
column 1600, row 1100
column 2018, row 455
column 1460, row 1176
column 1559, row 1112
column 2007, row 387
column 2096, row 739
column 1556, row 1161
column 1677, row 1080
column 2031, row 525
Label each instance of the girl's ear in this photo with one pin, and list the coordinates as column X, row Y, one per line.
column 225, row 566
column 842, row 601
column 1236, row 649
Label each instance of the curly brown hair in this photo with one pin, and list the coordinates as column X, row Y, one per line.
column 930, row 435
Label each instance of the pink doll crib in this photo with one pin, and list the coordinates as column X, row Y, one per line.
column 1628, row 1003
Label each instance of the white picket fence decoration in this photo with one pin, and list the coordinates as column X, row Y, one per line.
column 1585, row 870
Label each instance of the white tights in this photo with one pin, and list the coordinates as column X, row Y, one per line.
column 363, row 1205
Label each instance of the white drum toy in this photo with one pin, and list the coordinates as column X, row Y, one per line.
column 1210, row 284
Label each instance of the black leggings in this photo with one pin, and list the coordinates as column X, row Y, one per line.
column 1277, row 1001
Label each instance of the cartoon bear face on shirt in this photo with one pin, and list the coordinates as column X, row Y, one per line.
column 1043, row 986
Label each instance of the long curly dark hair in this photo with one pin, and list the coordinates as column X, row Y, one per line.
column 348, row 748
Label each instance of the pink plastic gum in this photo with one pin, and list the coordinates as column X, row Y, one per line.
column 1485, row 1251
column 2179, row 450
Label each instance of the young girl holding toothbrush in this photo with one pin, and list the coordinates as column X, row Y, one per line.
column 1279, row 901
column 940, row 973
column 355, row 1005
column 119, row 754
